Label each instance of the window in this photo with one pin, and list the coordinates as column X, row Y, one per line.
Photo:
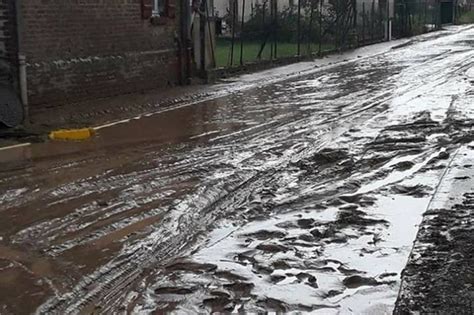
column 156, row 8
column 159, row 8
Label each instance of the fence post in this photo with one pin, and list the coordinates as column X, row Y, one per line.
column 320, row 26
column 354, row 8
column 310, row 31
column 424, row 19
column 234, row 18
column 264, row 10
column 242, row 34
column 275, row 29
column 363, row 22
column 272, row 25
column 439, row 14
column 372, row 19
column 382, row 23
column 299, row 27
column 387, row 16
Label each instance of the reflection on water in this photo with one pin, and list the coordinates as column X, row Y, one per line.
column 140, row 193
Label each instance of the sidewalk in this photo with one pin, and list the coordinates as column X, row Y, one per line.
column 99, row 112
column 439, row 276
column 94, row 112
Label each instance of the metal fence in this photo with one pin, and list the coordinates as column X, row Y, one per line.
column 250, row 31
column 253, row 30
column 416, row 17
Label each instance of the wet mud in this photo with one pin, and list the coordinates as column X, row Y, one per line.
column 439, row 276
column 304, row 194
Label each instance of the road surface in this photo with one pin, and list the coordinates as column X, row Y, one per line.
column 291, row 190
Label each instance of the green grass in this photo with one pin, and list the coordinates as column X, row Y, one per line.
column 466, row 18
column 251, row 49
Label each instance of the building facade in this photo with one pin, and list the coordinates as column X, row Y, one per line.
column 8, row 43
column 76, row 50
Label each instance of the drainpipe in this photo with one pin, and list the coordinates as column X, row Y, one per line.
column 22, row 76
column 23, row 87
column 185, row 54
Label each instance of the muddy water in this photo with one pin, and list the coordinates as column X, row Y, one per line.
column 302, row 194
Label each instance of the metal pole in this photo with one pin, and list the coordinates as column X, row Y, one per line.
column 275, row 29
column 363, row 21
column 310, row 31
column 272, row 19
column 234, row 18
column 320, row 26
column 354, row 8
column 380, row 26
column 438, row 19
column 389, row 22
column 262, row 47
column 424, row 17
column 372, row 20
column 242, row 34
column 299, row 27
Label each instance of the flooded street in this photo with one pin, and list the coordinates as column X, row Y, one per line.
column 299, row 192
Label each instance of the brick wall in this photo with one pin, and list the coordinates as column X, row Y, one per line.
column 3, row 25
column 8, row 46
column 79, row 49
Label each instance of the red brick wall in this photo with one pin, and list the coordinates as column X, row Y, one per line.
column 79, row 49
column 8, row 42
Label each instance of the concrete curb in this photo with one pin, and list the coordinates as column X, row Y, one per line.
column 15, row 146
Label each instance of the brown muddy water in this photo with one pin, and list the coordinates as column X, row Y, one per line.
column 292, row 193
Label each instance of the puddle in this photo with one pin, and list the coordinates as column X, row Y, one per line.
column 302, row 195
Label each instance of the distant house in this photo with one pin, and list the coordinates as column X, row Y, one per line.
column 76, row 50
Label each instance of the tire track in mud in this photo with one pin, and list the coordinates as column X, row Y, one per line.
column 295, row 156
column 430, row 154
column 214, row 209
column 131, row 180
column 123, row 272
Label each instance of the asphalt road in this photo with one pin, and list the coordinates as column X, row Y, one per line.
column 300, row 188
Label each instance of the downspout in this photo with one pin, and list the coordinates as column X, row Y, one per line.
column 185, row 38
column 22, row 76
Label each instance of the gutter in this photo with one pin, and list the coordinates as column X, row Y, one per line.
column 22, row 75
